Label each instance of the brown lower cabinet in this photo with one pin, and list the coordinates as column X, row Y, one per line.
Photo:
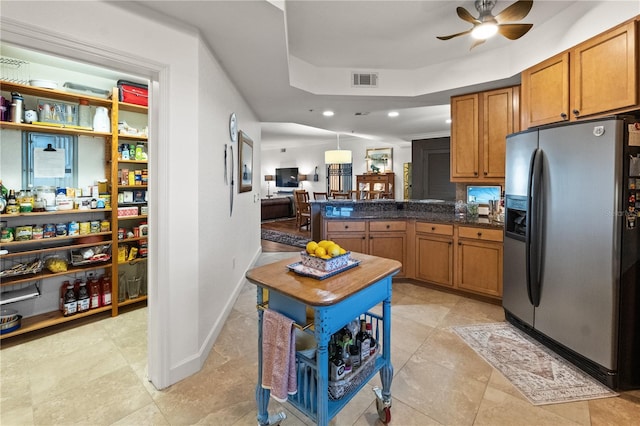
column 479, row 260
column 385, row 238
column 466, row 258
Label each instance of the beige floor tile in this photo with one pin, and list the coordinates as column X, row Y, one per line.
column 100, row 401
column 448, row 350
column 64, row 373
column 438, row 392
column 614, row 411
column 499, row 408
column 401, row 415
column 149, row 415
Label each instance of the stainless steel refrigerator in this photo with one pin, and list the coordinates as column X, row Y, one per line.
column 572, row 244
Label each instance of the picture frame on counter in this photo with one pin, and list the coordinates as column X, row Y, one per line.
column 245, row 162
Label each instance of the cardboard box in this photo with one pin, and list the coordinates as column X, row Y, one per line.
column 127, row 211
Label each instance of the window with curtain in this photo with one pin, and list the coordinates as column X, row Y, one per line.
column 339, row 178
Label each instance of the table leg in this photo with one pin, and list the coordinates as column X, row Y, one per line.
column 386, row 372
column 322, row 358
column 262, row 395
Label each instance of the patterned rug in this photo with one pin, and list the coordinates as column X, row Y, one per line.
column 284, row 238
column 542, row 376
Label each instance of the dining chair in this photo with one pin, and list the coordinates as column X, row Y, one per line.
column 339, row 195
column 303, row 208
column 319, row 195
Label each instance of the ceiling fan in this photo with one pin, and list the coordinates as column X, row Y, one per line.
column 486, row 25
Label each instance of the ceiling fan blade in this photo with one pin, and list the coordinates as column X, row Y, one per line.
column 477, row 43
column 514, row 31
column 515, row 12
column 453, row 35
column 466, row 16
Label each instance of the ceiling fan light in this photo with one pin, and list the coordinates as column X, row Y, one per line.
column 484, row 31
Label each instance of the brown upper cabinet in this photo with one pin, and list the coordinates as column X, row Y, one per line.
column 598, row 76
column 480, row 123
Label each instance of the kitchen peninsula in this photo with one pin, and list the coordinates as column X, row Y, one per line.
column 434, row 246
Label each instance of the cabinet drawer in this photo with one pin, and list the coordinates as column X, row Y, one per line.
column 345, row 226
column 387, row 226
column 434, row 228
column 480, row 233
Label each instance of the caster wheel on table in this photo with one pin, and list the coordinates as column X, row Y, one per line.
column 383, row 407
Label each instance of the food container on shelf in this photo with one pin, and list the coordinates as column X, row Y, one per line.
column 305, row 344
column 325, row 265
column 8, row 327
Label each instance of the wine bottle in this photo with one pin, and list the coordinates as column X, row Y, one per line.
column 363, row 341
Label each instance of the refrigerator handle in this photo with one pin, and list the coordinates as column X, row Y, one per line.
column 532, row 236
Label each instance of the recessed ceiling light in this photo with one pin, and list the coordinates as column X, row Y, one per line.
column 448, row 121
column 327, row 113
column 393, row 113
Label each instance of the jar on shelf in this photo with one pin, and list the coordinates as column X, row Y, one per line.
column 101, row 122
column 84, row 113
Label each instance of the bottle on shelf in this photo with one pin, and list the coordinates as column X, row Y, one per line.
column 70, row 301
column 12, row 203
column 372, row 341
column 84, row 302
column 94, row 292
column 363, row 341
column 336, row 362
column 106, row 290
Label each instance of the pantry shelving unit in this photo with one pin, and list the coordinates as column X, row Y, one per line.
column 42, row 248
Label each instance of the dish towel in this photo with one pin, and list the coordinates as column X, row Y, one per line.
column 278, row 355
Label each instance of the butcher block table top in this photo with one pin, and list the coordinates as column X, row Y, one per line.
column 313, row 292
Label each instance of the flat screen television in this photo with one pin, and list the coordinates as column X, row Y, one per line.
column 287, row 177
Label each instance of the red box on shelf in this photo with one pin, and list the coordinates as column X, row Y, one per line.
column 127, row 211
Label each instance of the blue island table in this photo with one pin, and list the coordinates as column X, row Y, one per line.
column 322, row 307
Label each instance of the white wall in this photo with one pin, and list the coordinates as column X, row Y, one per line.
column 192, row 279
column 309, row 155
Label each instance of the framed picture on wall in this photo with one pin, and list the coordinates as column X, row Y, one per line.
column 245, row 162
column 379, row 160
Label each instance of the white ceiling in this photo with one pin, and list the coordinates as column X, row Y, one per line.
column 290, row 60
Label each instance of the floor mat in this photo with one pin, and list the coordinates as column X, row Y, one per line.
column 284, row 238
column 541, row 375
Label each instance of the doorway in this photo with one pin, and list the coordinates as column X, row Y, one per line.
column 431, row 170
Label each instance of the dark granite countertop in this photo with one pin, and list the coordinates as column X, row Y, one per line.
column 423, row 210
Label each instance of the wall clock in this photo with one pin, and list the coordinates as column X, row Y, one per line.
column 233, row 127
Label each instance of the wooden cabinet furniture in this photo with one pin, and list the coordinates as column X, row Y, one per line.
column 479, row 126
column 598, row 76
column 48, row 283
column 479, row 260
column 133, row 266
column 460, row 257
column 545, row 92
column 383, row 182
column 383, row 238
column 434, row 253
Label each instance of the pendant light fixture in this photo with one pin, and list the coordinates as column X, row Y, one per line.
column 337, row 156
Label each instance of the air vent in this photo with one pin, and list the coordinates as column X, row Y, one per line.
column 364, row 79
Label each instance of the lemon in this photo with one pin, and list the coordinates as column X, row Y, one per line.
column 324, row 243
column 342, row 251
column 311, row 247
column 333, row 250
column 326, row 256
column 320, row 251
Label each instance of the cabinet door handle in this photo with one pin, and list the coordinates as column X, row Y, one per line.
column 485, row 173
column 388, row 226
column 564, row 116
column 433, row 228
column 475, row 173
column 576, row 112
column 459, row 243
column 364, row 238
column 479, row 234
column 450, row 243
column 346, row 227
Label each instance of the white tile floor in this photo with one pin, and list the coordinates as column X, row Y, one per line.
column 94, row 374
